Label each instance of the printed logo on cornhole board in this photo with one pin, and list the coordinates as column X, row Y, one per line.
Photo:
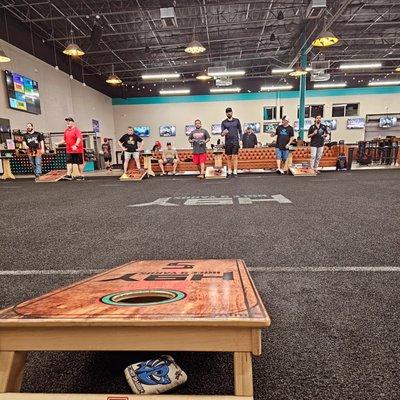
column 162, row 290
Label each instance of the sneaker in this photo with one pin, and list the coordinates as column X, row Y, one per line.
column 68, row 178
column 80, row 178
column 234, row 175
column 228, row 175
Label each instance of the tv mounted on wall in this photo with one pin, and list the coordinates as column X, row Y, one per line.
column 23, row 93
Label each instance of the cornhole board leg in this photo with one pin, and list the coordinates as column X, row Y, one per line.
column 53, row 176
column 147, row 166
column 74, row 396
column 302, row 171
column 243, row 373
column 7, row 174
column 12, row 364
column 135, row 175
column 212, row 173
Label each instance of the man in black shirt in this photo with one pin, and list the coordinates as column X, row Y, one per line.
column 232, row 131
column 285, row 135
column 249, row 139
column 317, row 133
column 34, row 143
column 129, row 144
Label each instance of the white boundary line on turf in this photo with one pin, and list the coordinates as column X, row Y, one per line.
column 383, row 268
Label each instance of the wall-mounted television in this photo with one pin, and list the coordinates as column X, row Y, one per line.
column 255, row 126
column 189, row 128
column 23, row 93
column 216, row 129
column 270, row 127
column 142, row 131
column 167, row 130
column 356, row 123
column 307, row 124
column 330, row 123
column 387, row 122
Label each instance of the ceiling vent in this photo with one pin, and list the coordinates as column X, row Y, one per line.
column 320, row 64
column 168, row 17
column 315, row 9
column 319, row 75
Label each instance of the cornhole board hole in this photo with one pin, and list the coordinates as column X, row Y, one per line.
column 302, row 171
column 215, row 173
column 53, row 176
column 134, row 175
column 163, row 305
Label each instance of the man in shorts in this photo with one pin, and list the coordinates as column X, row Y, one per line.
column 129, row 144
column 232, row 131
column 74, row 148
column 169, row 156
column 199, row 137
column 284, row 136
column 106, row 148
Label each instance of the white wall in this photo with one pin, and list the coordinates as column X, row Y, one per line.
column 180, row 114
column 59, row 97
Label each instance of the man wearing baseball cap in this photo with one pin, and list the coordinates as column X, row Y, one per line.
column 285, row 135
column 74, row 147
column 232, row 131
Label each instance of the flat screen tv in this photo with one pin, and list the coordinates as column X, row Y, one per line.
column 270, row 127
column 216, row 129
column 142, row 131
column 23, row 93
column 387, row 122
column 255, row 126
column 330, row 123
column 189, row 128
column 167, row 130
column 356, row 123
column 307, row 124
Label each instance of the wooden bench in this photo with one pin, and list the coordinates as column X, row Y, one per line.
column 257, row 158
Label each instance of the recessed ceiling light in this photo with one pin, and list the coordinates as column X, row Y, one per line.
column 161, row 76
column 275, row 88
column 225, row 90
column 175, row 91
column 228, row 73
column 361, row 66
column 385, row 83
column 329, row 85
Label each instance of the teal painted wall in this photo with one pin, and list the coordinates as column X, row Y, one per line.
column 257, row 96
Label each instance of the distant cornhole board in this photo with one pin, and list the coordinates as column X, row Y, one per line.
column 52, row 176
column 165, row 305
column 302, row 170
column 134, row 175
column 215, row 173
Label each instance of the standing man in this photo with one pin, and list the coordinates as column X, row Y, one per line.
column 74, row 148
column 249, row 139
column 34, row 143
column 129, row 144
column 232, row 131
column 284, row 136
column 106, row 147
column 317, row 133
column 199, row 137
column 169, row 156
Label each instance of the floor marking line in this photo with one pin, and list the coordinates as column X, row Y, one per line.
column 383, row 268
column 51, row 272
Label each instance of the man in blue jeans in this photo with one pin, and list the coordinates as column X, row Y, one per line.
column 284, row 136
column 34, row 143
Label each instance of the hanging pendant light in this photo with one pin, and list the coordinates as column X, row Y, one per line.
column 73, row 50
column 113, row 79
column 195, row 47
column 299, row 71
column 3, row 56
column 203, row 76
column 325, row 39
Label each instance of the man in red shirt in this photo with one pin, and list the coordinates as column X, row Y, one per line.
column 74, row 147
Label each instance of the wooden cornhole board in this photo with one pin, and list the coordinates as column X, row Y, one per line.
column 298, row 170
column 52, row 176
column 188, row 305
column 134, row 175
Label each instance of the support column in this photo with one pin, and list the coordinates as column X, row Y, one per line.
column 303, row 83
